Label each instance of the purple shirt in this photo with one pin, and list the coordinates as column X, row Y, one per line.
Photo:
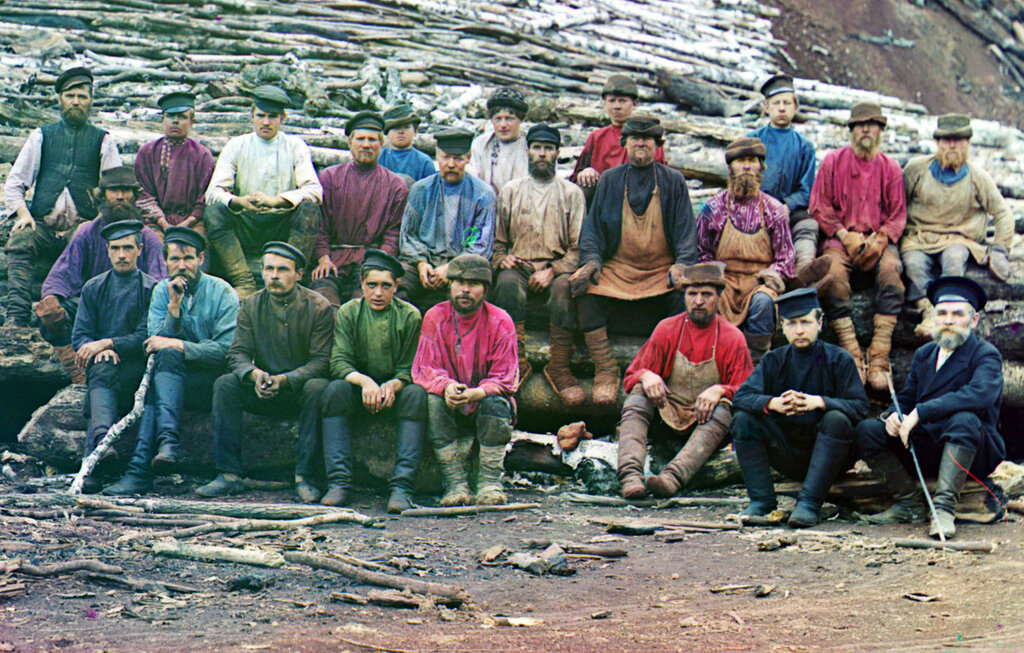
column 174, row 178
column 86, row 256
column 746, row 217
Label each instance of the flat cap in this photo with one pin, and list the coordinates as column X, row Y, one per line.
column 177, row 102
column 374, row 259
column 400, row 116
column 866, row 112
column 957, row 289
column 286, row 250
column 73, row 77
column 470, row 267
column 643, row 125
column 120, row 229
column 270, row 99
column 797, row 303
column 506, row 97
column 542, row 133
column 185, row 237
column 776, row 84
column 744, row 146
column 454, row 140
column 364, row 120
column 953, row 125
column 620, row 85
column 119, row 177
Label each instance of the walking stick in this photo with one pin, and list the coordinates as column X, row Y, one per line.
column 114, row 432
column 913, row 454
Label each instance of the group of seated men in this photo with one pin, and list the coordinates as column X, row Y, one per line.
column 612, row 247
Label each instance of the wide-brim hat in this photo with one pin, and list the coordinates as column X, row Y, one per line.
column 400, row 116
column 470, row 267
column 703, row 274
column 119, row 177
column 953, row 125
column 866, row 112
column 745, row 146
column 957, row 289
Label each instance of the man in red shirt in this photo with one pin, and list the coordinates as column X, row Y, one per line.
column 683, row 377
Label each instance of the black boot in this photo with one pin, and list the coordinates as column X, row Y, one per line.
column 956, row 460
column 139, row 478
column 909, row 506
column 408, row 451
column 828, row 460
column 337, row 437
column 757, row 476
column 102, row 415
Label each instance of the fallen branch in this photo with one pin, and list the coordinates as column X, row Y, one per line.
column 598, row 500
column 1016, row 506
column 974, row 547
column 455, row 595
column 456, row 511
column 249, row 525
column 579, row 549
column 206, row 553
column 242, row 510
column 645, row 526
column 701, row 502
column 68, row 567
column 141, row 584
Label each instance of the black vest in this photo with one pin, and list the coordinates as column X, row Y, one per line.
column 70, row 159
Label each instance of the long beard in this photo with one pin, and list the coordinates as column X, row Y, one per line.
column 950, row 337
column 542, row 172
column 951, row 159
column 74, row 116
column 862, row 148
column 115, row 212
column 745, row 185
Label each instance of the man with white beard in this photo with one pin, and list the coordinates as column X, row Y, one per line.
column 949, row 406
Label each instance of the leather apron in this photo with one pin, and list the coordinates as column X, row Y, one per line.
column 639, row 269
column 744, row 256
column 686, row 383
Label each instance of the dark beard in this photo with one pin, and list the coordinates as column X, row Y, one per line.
column 950, row 160
column 466, row 310
column 542, row 173
column 702, row 320
column 117, row 212
column 745, row 186
column 74, row 116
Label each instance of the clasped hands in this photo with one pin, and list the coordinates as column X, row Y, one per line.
column 431, row 277
column 457, row 395
column 380, row 397
column 791, row 403
column 267, row 386
column 259, row 202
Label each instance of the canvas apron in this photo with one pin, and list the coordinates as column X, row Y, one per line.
column 639, row 269
column 686, row 383
column 744, row 256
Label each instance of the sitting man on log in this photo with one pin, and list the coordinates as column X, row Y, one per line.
column 277, row 365
column 363, row 206
column 637, row 237
column 264, row 188
column 789, row 165
column 797, row 412
column 375, row 340
column 499, row 154
column 603, row 148
column 174, row 170
column 400, row 157
column 949, row 407
column 191, row 323
column 110, row 327
column 448, row 213
column 466, row 360
column 949, row 201
column 686, row 374
column 859, row 203
column 87, row 256
column 61, row 162
column 747, row 230
column 536, row 248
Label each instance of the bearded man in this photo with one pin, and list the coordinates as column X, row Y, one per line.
column 858, row 201
column 949, row 201
column 682, row 380
column 747, row 230
column 62, row 162
column 949, row 405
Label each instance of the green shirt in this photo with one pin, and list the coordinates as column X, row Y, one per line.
column 379, row 344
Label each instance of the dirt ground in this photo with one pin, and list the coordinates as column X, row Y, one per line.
column 842, row 588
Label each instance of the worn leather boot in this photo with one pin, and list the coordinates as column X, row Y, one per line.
column 490, row 490
column 909, row 506
column 878, row 352
column 306, row 491
column 848, row 340
column 812, row 269
column 827, row 461
column 66, row 355
column 956, row 461
column 606, row 368
column 337, row 447
column 130, row 484
column 758, row 345
column 525, row 369
column 408, row 452
column 557, row 371
column 221, row 486
column 927, row 325
column 232, row 260
column 757, row 477
column 705, row 440
column 454, row 462
column 632, row 454
column 166, row 457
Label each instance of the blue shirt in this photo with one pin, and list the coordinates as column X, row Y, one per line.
column 411, row 162
column 444, row 220
column 206, row 323
column 789, row 175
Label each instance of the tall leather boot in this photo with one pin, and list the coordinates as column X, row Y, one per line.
column 525, row 369
column 102, row 415
column 66, row 355
column 956, row 460
column 758, row 345
column 828, row 460
column 53, row 319
column 408, row 451
column 170, row 403
column 878, row 352
column 606, row 368
column 927, row 325
column 757, row 477
column 454, row 461
column 557, row 371
column 705, row 440
column 139, row 478
column 20, row 271
column 489, row 486
column 632, row 454
column 909, row 506
column 337, row 443
column 232, row 260
column 848, row 340
column 812, row 269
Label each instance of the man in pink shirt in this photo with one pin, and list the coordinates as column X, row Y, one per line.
column 858, row 200
column 468, row 363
